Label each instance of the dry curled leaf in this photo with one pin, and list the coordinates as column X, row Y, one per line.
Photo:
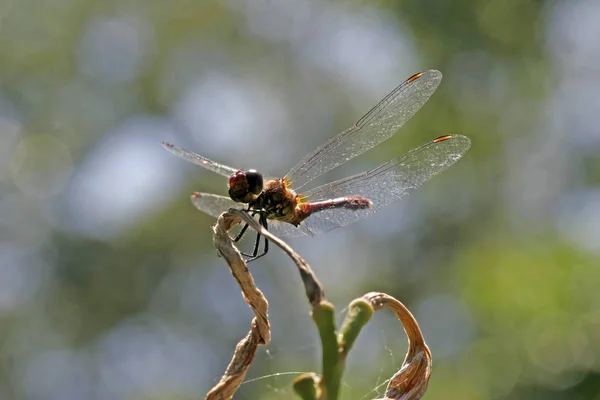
column 260, row 333
column 410, row 382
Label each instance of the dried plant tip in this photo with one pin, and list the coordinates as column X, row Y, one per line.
column 260, row 332
column 237, row 368
column 410, row 382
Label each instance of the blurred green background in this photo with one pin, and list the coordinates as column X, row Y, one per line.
column 110, row 287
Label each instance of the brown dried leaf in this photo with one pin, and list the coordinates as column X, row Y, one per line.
column 410, row 382
column 260, row 333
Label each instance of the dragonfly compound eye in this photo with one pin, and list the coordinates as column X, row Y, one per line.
column 255, row 181
column 245, row 186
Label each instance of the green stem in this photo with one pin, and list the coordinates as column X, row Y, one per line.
column 324, row 317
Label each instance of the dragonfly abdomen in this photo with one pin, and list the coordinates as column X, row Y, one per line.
column 347, row 202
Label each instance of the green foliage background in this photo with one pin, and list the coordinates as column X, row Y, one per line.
column 109, row 285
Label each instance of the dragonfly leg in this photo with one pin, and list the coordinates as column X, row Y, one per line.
column 245, row 228
column 263, row 221
column 239, row 235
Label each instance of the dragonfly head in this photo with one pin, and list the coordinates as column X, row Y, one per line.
column 245, row 186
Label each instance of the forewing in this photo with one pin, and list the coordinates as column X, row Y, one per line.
column 376, row 126
column 386, row 183
column 213, row 204
column 200, row 160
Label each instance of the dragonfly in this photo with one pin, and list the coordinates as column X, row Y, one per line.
column 286, row 208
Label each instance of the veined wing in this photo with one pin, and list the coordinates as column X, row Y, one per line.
column 215, row 205
column 200, row 160
column 376, row 126
column 386, row 183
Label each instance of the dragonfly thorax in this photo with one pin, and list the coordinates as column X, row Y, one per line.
column 278, row 202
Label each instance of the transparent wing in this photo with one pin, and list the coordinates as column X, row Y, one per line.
column 386, row 183
column 376, row 126
column 215, row 205
column 200, row 160
column 284, row 229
